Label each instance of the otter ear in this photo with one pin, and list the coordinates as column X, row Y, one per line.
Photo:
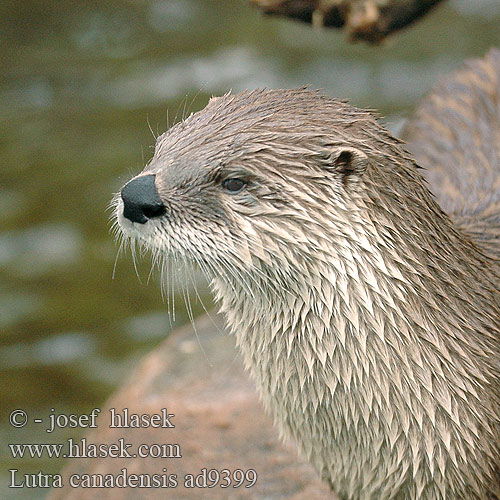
column 348, row 164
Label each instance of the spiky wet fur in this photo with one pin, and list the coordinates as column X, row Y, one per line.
column 369, row 322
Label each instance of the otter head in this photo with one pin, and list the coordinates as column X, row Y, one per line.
column 256, row 184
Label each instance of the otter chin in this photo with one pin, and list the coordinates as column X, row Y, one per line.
column 369, row 320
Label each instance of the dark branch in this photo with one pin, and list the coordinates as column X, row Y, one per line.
column 369, row 20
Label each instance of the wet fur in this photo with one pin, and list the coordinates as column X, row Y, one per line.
column 369, row 321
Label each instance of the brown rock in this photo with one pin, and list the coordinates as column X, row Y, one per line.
column 219, row 424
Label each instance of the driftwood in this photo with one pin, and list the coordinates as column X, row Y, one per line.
column 368, row 20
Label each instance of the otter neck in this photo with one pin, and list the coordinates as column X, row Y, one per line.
column 384, row 321
column 399, row 278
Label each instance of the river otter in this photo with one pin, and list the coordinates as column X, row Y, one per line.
column 368, row 319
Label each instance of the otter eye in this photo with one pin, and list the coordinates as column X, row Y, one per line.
column 233, row 185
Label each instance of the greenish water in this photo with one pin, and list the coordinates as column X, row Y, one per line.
column 80, row 87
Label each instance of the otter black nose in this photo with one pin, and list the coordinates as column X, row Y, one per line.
column 141, row 201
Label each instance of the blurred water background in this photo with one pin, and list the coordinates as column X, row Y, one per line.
column 81, row 85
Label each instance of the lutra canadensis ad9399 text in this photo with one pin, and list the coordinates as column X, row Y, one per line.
column 368, row 318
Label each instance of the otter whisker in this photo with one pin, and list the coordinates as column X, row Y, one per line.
column 118, row 253
column 207, row 275
column 155, row 137
column 189, row 309
column 133, row 250
column 182, row 103
column 165, row 277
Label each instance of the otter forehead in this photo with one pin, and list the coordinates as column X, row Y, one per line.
column 233, row 127
column 234, row 117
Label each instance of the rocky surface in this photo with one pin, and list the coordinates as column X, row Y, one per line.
column 219, row 424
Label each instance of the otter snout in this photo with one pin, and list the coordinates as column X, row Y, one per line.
column 141, row 201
